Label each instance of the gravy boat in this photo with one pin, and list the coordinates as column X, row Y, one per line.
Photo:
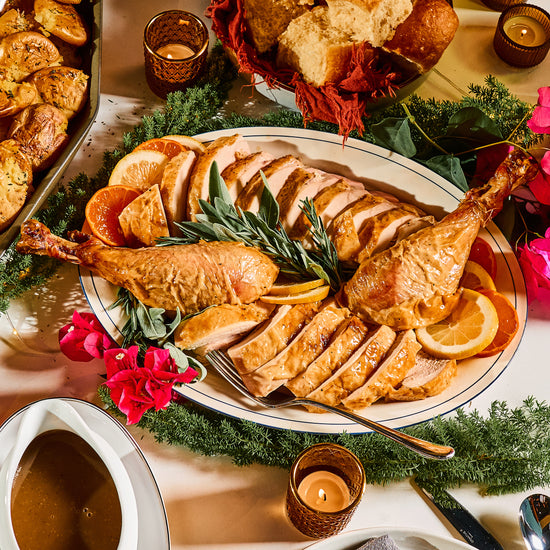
column 54, row 414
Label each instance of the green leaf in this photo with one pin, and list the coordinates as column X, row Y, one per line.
column 395, row 134
column 151, row 321
column 217, row 187
column 472, row 123
column 450, row 168
column 269, row 207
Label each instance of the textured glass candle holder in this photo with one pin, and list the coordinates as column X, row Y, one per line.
column 165, row 74
column 500, row 5
column 508, row 43
column 331, row 458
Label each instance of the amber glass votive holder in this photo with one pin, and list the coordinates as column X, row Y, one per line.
column 323, row 458
column 183, row 30
column 522, row 36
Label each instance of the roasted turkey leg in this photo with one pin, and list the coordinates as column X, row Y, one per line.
column 415, row 282
column 188, row 277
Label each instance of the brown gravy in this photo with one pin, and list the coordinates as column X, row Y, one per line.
column 63, row 496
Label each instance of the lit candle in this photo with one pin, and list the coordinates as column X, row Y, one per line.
column 525, row 30
column 324, row 491
column 175, row 51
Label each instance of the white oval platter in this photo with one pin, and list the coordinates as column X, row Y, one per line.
column 386, row 171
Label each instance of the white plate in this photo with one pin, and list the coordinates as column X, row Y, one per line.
column 406, row 539
column 385, row 171
column 153, row 523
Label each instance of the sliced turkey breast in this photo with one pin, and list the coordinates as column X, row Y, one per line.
column 348, row 337
column 219, row 326
column 238, row 173
column 389, row 374
column 345, row 227
column 356, row 370
column 312, row 340
column 412, row 226
column 428, row 377
column 265, row 342
column 379, row 231
column 224, row 151
column 328, row 203
column 276, row 173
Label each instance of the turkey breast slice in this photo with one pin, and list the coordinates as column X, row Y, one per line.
column 389, row 373
column 271, row 337
column 356, row 370
column 224, row 151
column 219, row 326
column 276, row 173
column 238, row 173
column 428, row 377
column 312, row 340
column 349, row 336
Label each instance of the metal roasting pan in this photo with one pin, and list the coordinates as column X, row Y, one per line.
column 45, row 184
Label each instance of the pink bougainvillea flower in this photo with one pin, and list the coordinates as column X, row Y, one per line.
column 540, row 121
column 534, row 259
column 489, row 159
column 84, row 339
column 540, row 186
column 136, row 389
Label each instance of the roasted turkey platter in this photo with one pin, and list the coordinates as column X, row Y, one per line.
column 387, row 174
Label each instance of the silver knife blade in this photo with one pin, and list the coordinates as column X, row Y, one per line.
column 467, row 525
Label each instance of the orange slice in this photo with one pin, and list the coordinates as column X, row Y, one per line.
column 103, row 210
column 169, row 147
column 187, row 141
column 476, row 277
column 313, row 295
column 470, row 328
column 508, row 323
column 482, row 253
column 139, row 169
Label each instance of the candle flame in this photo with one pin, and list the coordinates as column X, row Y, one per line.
column 322, row 495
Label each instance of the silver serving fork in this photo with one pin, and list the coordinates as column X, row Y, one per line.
column 225, row 367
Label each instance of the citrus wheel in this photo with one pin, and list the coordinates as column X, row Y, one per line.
column 169, row 147
column 476, row 277
column 508, row 323
column 188, row 141
column 482, row 253
column 470, row 328
column 289, row 289
column 103, row 209
column 312, row 295
column 139, row 169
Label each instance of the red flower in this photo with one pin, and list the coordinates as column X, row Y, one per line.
column 136, row 389
column 534, row 259
column 540, row 121
column 540, row 186
column 84, row 338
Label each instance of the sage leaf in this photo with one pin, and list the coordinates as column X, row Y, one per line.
column 269, row 207
column 450, row 168
column 151, row 322
column 395, row 134
column 217, row 187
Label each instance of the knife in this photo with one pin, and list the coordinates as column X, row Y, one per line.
column 467, row 525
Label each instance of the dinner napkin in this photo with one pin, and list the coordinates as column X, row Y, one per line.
column 385, row 542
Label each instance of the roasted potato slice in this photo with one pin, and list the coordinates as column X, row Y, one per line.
column 12, row 21
column 61, row 20
column 14, row 97
column 23, row 53
column 41, row 131
column 64, row 87
column 15, row 181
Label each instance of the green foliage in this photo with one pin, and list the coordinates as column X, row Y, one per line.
column 504, row 452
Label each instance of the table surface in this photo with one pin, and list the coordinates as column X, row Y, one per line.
column 210, row 502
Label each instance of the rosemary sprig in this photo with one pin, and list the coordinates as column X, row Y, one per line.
column 222, row 221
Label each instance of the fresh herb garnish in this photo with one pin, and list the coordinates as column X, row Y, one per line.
column 222, row 221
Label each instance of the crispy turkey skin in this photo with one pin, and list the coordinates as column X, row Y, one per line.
column 189, row 277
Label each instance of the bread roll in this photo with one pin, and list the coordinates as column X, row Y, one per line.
column 315, row 49
column 267, row 19
column 372, row 21
column 425, row 34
